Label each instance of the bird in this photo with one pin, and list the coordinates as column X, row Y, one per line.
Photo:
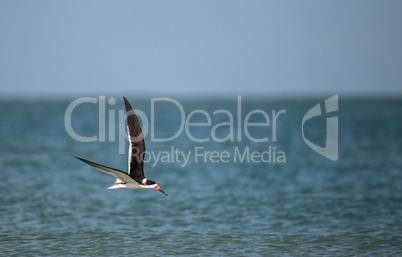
column 135, row 178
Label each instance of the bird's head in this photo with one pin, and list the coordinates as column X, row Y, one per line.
column 149, row 184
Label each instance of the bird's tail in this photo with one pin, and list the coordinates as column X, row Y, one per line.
column 117, row 184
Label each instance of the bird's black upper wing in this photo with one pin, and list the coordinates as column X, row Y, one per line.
column 137, row 145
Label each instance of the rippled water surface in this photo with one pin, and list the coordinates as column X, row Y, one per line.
column 302, row 204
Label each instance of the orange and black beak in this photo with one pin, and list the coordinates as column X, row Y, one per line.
column 160, row 190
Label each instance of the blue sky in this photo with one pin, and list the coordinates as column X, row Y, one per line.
column 213, row 48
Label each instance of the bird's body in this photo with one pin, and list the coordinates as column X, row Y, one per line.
column 135, row 178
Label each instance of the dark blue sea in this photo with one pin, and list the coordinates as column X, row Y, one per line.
column 241, row 179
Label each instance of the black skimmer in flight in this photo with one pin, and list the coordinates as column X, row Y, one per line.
column 135, row 178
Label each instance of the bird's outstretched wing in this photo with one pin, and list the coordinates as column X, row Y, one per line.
column 136, row 149
column 121, row 175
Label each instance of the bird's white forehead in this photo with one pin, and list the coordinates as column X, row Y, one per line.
column 144, row 181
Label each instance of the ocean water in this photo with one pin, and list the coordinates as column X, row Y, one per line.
column 233, row 196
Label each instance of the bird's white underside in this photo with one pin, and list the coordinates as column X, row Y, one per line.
column 123, row 180
column 129, row 185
